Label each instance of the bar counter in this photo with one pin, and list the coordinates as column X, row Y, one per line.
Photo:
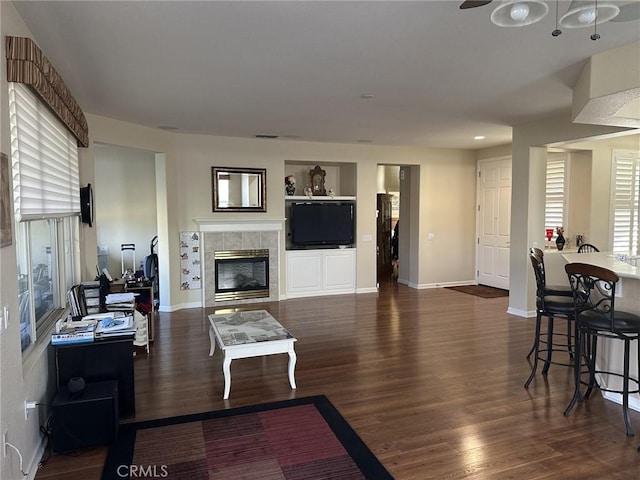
column 627, row 299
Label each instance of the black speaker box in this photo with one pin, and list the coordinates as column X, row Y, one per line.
column 85, row 418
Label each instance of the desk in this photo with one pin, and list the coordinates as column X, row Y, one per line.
column 610, row 351
column 99, row 361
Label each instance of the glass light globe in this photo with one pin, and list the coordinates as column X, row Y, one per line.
column 519, row 12
column 587, row 16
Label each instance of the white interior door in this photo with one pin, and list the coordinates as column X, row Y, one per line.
column 494, row 218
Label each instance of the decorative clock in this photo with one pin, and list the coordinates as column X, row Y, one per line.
column 317, row 181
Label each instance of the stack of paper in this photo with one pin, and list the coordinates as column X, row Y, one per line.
column 115, row 326
column 120, row 301
column 73, row 332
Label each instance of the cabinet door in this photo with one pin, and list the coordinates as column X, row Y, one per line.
column 304, row 272
column 339, row 270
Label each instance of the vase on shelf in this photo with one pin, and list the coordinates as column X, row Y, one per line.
column 290, row 188
column 560, row 241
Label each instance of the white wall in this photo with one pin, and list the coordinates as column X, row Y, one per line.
column 125, row 200
column 185, row 182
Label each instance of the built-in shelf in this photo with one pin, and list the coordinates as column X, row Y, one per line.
column 318, row 198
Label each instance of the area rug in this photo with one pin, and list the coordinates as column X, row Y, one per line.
column 299, row 439
column 481, row 291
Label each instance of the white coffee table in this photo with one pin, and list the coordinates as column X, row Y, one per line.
column 249, row 334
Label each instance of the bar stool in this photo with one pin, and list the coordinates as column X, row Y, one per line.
column 553, row 290
column 587, row 248
column 594, row 292
column 550, row 306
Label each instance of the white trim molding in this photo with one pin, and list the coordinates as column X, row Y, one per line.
column 239, row 225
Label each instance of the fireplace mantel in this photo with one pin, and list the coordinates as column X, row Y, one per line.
column 239, row 225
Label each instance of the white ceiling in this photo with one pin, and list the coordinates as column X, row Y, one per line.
column 297, row 69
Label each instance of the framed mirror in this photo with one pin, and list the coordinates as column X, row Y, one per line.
column 239, row 189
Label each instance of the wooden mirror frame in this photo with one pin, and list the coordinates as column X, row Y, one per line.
column 249, row 185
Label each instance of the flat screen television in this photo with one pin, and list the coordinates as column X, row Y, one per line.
column 322, row 223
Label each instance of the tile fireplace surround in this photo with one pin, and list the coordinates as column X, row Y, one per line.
column 239, row 235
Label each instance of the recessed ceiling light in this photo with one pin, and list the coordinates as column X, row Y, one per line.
column 479, row 137
column 367, row 96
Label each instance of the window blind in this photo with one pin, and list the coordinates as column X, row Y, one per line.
column 44, row 156
column 625, row 202
column 555, row 192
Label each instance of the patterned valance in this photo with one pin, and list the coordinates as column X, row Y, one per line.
column 26, row 64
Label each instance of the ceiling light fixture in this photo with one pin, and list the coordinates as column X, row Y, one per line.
column 557, row 30
column 518, row 13
column 584, row 13
column 479, row 137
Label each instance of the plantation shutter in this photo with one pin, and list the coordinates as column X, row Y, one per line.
column 555, row 192
column 625, row 204
column 46, row 178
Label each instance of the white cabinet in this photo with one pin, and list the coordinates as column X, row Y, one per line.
column 320, row 272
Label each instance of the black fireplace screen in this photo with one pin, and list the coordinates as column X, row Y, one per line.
column 241, row 274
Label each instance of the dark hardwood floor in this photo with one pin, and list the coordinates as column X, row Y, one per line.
column 432, row 381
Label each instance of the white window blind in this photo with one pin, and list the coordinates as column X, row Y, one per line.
column 555, row 192
column 46, row 180
column 625, row 201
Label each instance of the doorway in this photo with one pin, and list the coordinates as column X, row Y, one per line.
column 126, row 206
column 493, row 222
column 387, row 226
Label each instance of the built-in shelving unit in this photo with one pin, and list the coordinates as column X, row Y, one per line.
column 320, row 271
column 318, row 198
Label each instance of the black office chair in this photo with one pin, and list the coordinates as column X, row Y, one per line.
column 550, row 306
column 594, row 293
column 587, row 248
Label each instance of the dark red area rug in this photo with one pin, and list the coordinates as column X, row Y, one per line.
column 299, row 439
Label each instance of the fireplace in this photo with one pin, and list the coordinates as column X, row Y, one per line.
column 241, row 274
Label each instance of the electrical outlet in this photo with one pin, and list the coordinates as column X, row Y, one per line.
column 28, row 406
column 4, row 442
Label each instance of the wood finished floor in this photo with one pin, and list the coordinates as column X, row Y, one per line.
column 432, row 381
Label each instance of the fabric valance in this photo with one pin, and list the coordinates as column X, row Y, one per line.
column 27, row 64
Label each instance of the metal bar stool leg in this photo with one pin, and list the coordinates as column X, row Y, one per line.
column 536, row 347
column 577, row 366
column 547, row 362
column 625, row 389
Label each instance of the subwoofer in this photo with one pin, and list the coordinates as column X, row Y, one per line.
column 86, row 418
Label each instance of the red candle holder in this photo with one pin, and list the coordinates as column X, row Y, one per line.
column 549, row 233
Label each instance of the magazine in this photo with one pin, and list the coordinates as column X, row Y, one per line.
column 113, row 324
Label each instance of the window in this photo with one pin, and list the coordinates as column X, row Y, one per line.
column 44, row 159
column 554, row 209
column 625, row 202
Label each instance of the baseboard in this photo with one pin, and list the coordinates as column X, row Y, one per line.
column 367, row 290
column 423, row 286
column 634, row 402
column 521, row 313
